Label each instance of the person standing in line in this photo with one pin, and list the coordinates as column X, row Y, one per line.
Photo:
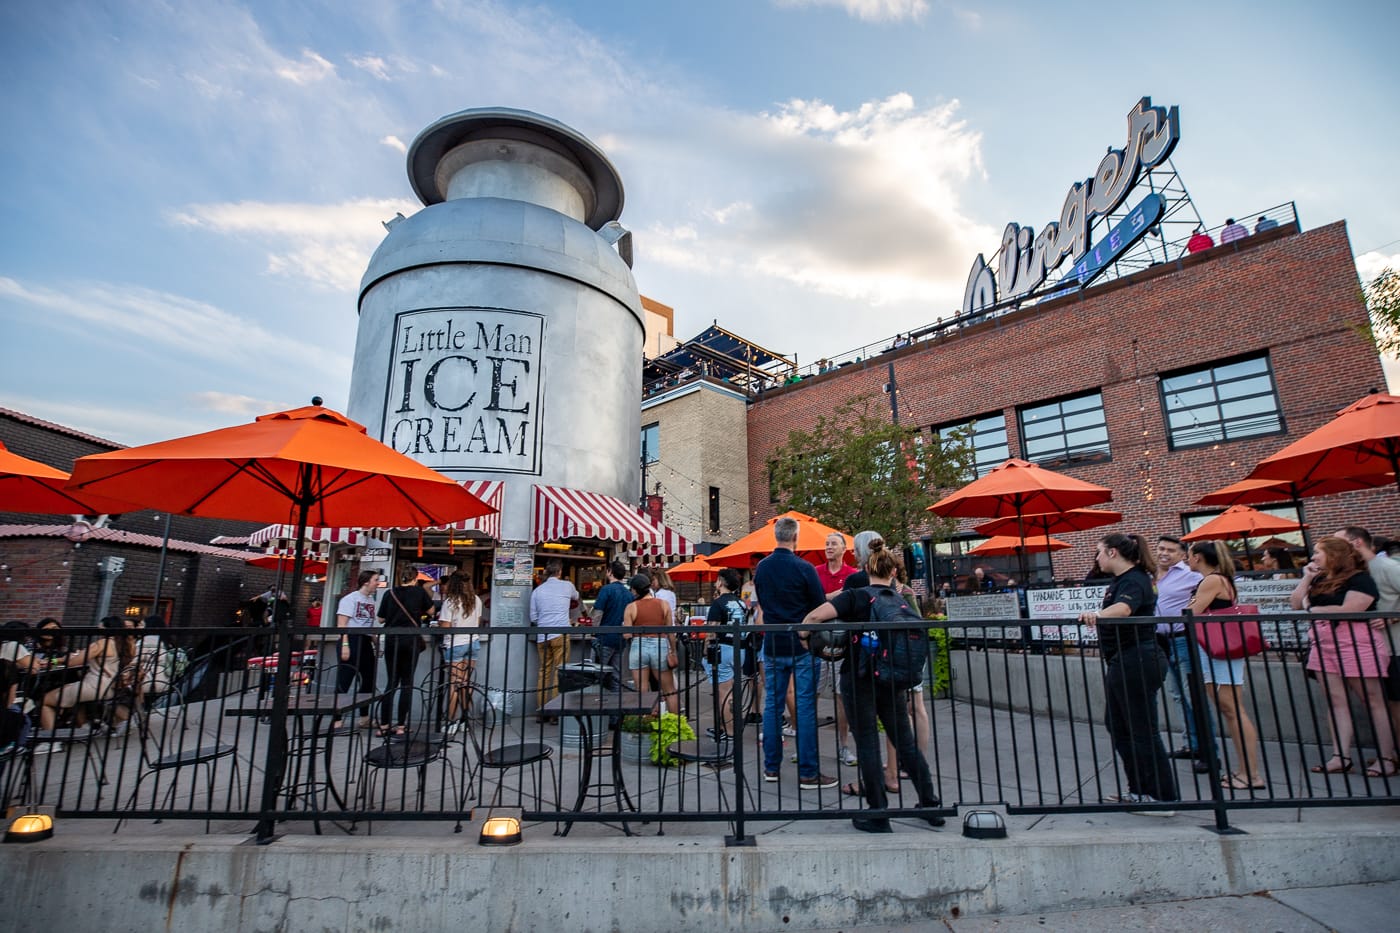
column 1211, row 559
column 1175, row 584
column 1385, row 571
column 612, row 600
column 357, row 649
column 788, row 589
column 403, row 609
column 1350, row 656
column 869, row 701
column 551, row 604
column 727, row 609
column 832, row 575
column 460, row 609
column 663, row 589
column 1134, row 669
column 651, row 657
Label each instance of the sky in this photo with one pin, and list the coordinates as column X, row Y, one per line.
column 191, row 191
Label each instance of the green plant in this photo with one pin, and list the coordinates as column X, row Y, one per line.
column 636, row 724
column 666, row 730
column 942, row 670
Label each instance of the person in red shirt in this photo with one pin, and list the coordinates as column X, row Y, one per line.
column 1200, row 240
column 833, row 576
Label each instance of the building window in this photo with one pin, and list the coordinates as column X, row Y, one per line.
column 714, row 510
column 651, row 443
column 987, row 438
column 1066, row 431
column 1221, row 402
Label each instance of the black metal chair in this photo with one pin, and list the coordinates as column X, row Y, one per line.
column 164, row 753
column 418, row 748
column 493, row 753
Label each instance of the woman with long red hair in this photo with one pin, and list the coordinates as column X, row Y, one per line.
column 1350, row 657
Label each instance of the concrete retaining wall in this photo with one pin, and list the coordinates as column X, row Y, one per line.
column 682, row 884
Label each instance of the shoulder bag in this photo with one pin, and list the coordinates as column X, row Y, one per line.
column 1229, row 641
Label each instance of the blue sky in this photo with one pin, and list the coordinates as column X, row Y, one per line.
column 192, row 190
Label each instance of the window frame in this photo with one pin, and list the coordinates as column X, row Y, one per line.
column 998, row 417
column 1066, row 458
column 1221, row 422
column 649, row 457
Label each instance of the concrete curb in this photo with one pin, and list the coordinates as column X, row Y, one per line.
column 680, row 884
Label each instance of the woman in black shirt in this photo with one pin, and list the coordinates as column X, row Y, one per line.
column 1134, row 668
column 866, row 701
column 404, row 608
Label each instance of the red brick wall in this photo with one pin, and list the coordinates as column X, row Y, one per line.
column 1298, row 297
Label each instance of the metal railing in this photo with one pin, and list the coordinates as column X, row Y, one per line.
column 1048, row 729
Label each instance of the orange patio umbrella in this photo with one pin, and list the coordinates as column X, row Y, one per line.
column 698, row 570
column 1363, row 439
column 811, row 543
column 1020, row 488
column 311, row 464
column 30, row 486
column 1261, row 491
column 281, row 561
column 1048, row 523
column 1241, row 521
column 1002, row 545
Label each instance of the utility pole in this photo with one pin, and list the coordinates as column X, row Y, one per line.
column 892, row 388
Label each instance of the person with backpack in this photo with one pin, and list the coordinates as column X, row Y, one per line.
column 880, row 665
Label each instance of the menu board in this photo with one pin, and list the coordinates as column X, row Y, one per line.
column 1065, row 602
column 989, row 607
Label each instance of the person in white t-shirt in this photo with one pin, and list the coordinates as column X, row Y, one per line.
column 460, row 609
column 551, row 604
column 357, row 650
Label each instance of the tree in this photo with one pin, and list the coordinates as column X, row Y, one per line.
column 855, row 470
column 1383, row 301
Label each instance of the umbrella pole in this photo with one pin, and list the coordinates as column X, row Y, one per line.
column 1049, row 552
column 1302, row 520
column 276, row 765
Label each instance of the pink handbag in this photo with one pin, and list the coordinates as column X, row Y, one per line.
column 1228, row 641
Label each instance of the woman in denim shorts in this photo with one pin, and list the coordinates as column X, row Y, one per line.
column 460, row 609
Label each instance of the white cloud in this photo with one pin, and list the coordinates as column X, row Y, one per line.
column 1373, row 263
column 394, row 143
column 328, row 245
column 308, row 70
column 132, row 317
column 235, row 404
column 373, row 64
column 870, row 10
column 861, row 203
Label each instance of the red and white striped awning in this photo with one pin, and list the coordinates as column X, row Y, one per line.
column 561, row 512
column 288, row 533
column 489, row 491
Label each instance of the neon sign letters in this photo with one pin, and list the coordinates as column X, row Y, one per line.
column 1027, row 259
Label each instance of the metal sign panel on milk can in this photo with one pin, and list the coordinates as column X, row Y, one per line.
column 465, row 389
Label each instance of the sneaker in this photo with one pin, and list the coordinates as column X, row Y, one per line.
column 816, row 783
column 845, row 756
column 771, row 777
column 1141, row 800
column 790, row 732
column 719, row 735
column 872, row 826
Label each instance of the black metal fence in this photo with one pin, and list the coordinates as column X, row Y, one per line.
column 304, row 727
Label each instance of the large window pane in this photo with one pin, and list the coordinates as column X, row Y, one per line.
column 986, row 436
column 1066, row 430
column 651, row 443
column 1220, row 402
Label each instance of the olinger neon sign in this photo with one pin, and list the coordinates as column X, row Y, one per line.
column 1027, row 259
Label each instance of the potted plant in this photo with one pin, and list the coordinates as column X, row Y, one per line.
column 666, row 730
column 633, row 729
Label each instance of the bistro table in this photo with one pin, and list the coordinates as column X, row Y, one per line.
column 586, row 705
column 307, row 711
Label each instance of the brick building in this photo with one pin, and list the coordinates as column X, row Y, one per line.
column 50, row 566
column 1162, row 385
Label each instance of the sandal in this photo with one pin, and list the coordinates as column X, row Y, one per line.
column 852, row 790
column 1324, row 769
column 1237, row 781
column 1382, row 768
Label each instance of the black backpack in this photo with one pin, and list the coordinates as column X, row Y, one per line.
column 894, row 657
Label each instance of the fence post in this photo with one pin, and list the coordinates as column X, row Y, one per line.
column 276, row 764
column 736, row 702
column 1199, row 712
